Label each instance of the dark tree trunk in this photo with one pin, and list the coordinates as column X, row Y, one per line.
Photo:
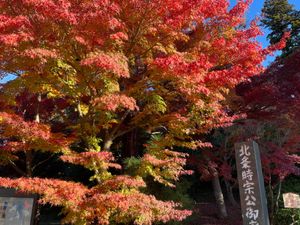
column 230, row 194
column 130, row 144
column 29, row 158
column 271, row 206
column 222, row 212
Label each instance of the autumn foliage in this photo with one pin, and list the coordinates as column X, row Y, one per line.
column 272, row 102
column 107, row 68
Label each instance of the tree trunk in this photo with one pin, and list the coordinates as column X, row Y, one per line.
column 230, row 194
column 37, row 115
column 278, row 197
column 130, row 144
column 222, row 212
column 107, row 144
column 29, row 157
column 271, row 207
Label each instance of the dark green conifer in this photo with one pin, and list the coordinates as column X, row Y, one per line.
column 280, row 16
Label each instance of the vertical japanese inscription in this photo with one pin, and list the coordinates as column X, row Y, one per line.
column 251, row 184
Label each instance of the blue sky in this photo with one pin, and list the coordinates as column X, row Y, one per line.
column 254, row 10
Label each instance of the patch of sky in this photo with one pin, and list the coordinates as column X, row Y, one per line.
column 253, row 12
column 7, row 78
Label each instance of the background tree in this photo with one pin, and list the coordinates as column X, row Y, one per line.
column 279, row 16
column 275, row 94
column 271, row 102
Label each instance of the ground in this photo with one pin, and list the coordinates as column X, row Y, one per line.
column 208, row 215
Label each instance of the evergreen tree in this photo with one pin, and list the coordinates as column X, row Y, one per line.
column 280, row 16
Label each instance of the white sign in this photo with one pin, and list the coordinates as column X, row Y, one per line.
column 291, row 200
column 15, row 211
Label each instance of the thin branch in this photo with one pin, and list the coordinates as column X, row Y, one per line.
column 126, row 131
column 16, row 168
column 120, row 123
column 42, row 162
column 132, row 43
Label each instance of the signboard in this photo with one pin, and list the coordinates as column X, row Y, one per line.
column 251, row 184
column 291, row 200
column 16, row 208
